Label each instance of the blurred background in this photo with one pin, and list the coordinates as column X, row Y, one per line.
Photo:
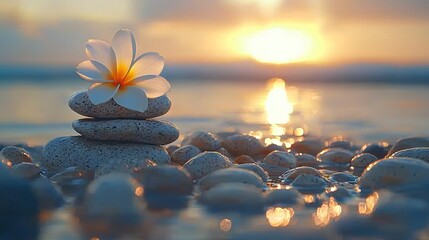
column 357, row 69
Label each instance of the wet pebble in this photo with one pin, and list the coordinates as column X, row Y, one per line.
column 335, row 158
column 406, row 143
column 307, row 183
column 184, row 153
column 233, row 197
column 341, row 194
column 421, row 153
column 73, row 180
column 173, row 180
column 26, row 170
column 274, row 171
column 48, row 194
column 344, row 144
column 203, row 140
column 282, row 159
column 19, row 207
column 309, row 146
column 254, row 168
column 292, row 174
column 12, row 155
column 273, row 147
column 205, row 163
column 171, row 148
column 343, row 177
column 304, row 159
column 113, row 199
column 394, row 172
column 243, row 145
column 374, row 149
column 360, row 162
column 282, row 197
column 243, row 159
column 230, row 175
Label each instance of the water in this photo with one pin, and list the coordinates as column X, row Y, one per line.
column 36, row 111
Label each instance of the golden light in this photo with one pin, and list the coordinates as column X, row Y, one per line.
column 139, row 191
column 225, row 224
column 279, row 217
column 327, row 212
column 279, row 45
column 367, row 207
column 277, row 106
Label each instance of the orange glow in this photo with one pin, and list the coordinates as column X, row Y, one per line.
column 279, row 45
column 225, row 224
column 308, row 198
column 277, row 106
column 279, row 217
column 139, row 191
column 326, row 213
column 367, row 207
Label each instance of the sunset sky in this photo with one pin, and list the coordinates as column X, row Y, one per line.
column 52, row 32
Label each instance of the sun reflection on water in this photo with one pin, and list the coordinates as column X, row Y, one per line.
column 225, row 224
column 367, row 207
column 327, row 212
column 277, row 105
column 279, row 217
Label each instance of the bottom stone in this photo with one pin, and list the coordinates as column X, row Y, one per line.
column 100, row 156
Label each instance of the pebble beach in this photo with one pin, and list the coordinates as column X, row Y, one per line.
column 128, row 176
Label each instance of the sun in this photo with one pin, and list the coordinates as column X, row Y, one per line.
column 279, row 46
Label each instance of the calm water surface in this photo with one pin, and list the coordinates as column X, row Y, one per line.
column 36, row 111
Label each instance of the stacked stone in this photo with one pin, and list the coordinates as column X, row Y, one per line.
column 113, row 137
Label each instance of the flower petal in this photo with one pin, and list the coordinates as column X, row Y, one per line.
column 150, row 63
column 101, row 52
column 124, row 46
column 93, row 71
column 153, row 87
column 101, row 92
column 132, row 98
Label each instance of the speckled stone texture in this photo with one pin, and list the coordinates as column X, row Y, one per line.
column 63, row 152
column 205, row 163
column 129, row 130
column 81, row 104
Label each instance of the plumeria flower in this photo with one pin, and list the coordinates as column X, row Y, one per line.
column 117, row 73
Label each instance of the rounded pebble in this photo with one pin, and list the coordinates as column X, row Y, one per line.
column 363, row 160
column 48, row 194
column 374, row 149
column 165, row 179
column 129, row 130
column 243, row 159
column 304, row 159
column 421, row 153
column 335, row 155
column 203, row 140
column 205, row 163
column 113, row 198
column 274, row 171
column 81, row 104
column 341, row 144
column 394, row 172
column 183, row 154
column 26, row 170
column 406, row 143
column 12, row 155
column 307, row 183
column 309, row 146
column 292, row 174
column 343, row 177
column 243, row 145
column 282, row 159
column 73, row 180
column 230, row 175
column 254, row 168
column 99, row 156
column 233, row 197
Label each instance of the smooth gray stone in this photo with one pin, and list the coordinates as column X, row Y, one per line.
column 81, row 104
column 129, row 130
column 63, row 152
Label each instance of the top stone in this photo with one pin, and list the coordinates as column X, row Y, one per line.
column 81, row 104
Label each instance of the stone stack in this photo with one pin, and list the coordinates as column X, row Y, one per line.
column 112, row 138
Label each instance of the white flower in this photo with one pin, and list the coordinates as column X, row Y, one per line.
column 117, row 73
